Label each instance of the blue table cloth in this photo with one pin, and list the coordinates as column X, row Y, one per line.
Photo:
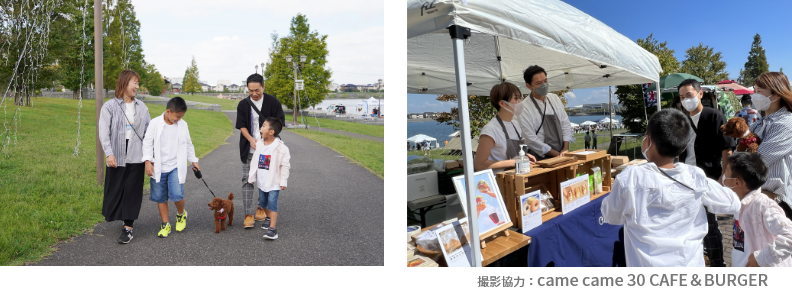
column 577, row 239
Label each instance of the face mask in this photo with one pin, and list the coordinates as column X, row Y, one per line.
column 517, row 108
column 647, row 148
column 541, row 90
column 723, row 181
column 690, row 104
column 761, row 102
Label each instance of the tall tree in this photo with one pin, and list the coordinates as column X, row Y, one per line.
column 756, row 64
column 122, row 48
column 190, row 82
column 630, row 97
column 279, row 78
column 24, row 44
column 480, row 111
column 153, row 80
column 704, row 63
column 74, row 46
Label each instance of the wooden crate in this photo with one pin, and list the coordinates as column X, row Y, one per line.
column 586, row 157
column 513, row 186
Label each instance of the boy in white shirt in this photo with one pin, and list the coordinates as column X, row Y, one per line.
column 661, row 204
column 271, row 170
column 168, row 145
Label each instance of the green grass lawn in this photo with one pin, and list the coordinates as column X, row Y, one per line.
column 352, row 127
column 226, row 104
column 49, row 194
column 367, row 153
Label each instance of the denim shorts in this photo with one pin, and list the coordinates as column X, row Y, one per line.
column 269, row 200
column 167, row 188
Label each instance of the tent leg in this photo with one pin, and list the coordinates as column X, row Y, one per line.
column 659, row 96
column 458, row 34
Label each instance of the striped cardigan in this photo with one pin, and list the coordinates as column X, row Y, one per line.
column 112, row 131
column 775, row 130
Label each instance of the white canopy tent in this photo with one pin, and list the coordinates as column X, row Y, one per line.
column 573, row 125
column 421, row 138
column 375, row 103
column 363, row 105
column 608, row 120
column 495, row 40
column 588, row 123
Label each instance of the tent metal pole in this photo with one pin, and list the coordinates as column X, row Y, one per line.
column 659, row 94
column 458, row 34
column 610, row 117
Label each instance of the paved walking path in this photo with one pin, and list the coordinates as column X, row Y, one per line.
column 331, row 214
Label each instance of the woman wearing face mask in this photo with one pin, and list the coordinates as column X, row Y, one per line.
column 500, row 139
column 544, row 121
column 773, row 97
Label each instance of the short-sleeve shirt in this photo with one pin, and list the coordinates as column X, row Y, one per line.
column 494, row 130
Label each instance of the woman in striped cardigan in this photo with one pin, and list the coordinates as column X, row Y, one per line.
column 122, row 126
column 774, row 98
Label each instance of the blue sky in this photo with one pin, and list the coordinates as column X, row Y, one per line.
column 726, row 26
column 228, row 38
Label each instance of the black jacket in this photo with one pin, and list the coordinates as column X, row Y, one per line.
column 271, row 107
column 710, row 142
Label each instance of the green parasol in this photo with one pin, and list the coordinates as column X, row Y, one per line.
column 673, row 80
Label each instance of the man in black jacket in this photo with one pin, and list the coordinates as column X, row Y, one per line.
column 251, row 113
column 707, row 148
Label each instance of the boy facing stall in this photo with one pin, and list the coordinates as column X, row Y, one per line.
column 661, row 203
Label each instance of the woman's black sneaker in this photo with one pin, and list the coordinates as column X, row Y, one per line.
column 126, row 236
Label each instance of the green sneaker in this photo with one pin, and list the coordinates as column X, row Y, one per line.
column 181, row 221
column 164, row 230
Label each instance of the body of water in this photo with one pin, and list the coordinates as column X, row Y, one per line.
column 349, row 103
column 441, row 131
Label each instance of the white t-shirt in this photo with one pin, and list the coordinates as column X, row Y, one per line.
column 264, row 165
column 130, row 119
column 169, row 145
column 494, row 130
column 691, row 150
column 255, row 132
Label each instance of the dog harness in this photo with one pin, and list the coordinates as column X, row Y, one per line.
column 747, row 141
column 221, row 218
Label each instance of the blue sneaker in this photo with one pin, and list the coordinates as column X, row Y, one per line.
column 266, row 224
column 272, row 233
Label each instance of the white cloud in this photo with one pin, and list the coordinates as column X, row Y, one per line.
column 228, row 38
column 570, row 95
column 598, row 96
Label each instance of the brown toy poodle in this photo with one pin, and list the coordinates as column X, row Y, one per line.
column 737, row 128
column 223, row 209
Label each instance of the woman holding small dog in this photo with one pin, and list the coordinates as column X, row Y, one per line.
column 122, row 126
column 773, row 97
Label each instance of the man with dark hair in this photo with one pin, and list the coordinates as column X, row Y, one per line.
column 251, row 113
column 707, row 148
column 544, row 122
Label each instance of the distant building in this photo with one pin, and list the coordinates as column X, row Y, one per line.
column 177, row 88
column 233, row 88
column 334, row 87
column 224, row 82
column 205, row 87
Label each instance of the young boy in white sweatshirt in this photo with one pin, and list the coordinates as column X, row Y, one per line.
column 166, row 147
column 270, row 167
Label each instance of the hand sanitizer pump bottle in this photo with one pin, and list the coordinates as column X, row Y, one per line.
column 522, row 165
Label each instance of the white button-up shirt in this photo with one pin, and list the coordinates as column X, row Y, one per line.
column 530, row 119
column 665, row 222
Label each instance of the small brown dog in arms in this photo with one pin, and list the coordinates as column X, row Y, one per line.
column 736, row 127
column 223, row 209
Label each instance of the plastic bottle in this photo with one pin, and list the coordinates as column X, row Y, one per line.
column 522, row 165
